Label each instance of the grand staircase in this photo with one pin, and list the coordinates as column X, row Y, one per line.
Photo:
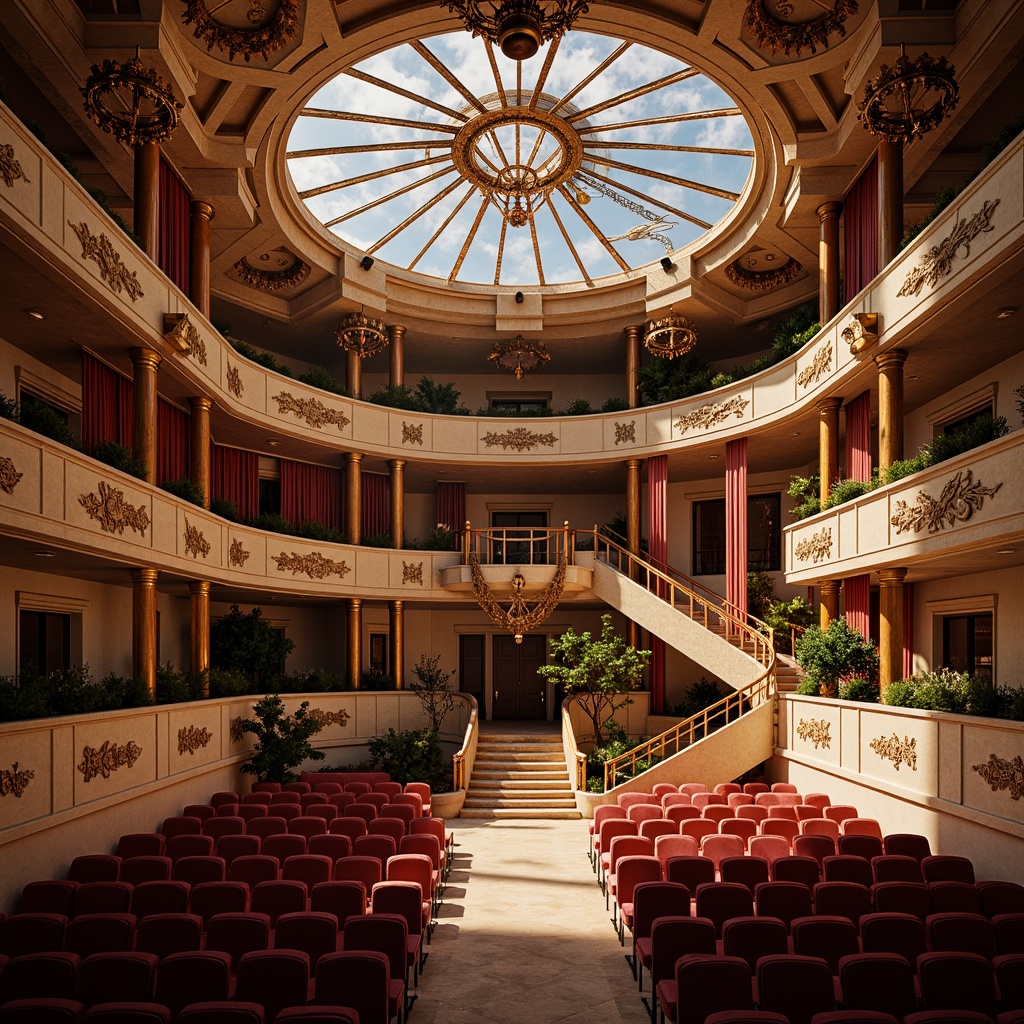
column 520, row 775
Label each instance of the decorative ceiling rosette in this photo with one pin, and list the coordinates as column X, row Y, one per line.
column 269, row 32
column 769, row 22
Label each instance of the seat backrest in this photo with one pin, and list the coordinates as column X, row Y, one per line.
column 200, row 869
column 97, row 867
column 676, row 936
column 806, row 870
column 654, row 827
column 689, row 871
column 100, row 933
column 223, row 825
column 825, row 935
column 180, row 825
column 786, row 901
column 231, row 846
column 192, row 977
column 961, row 933
column 308, row 868
column 909, row 844
column 146, row 869
column 322, row 809
column 862, row 827
column 954, row 897
column 784, row 827
column 754, row 937
column 657, row 899
column 742, row 827
column 819, row 827
column 739, row 800
column 362, row 810
column 116, row 977
column 358, row 788
column 797, row 986
column 681, row 812
column 402, row 898
column 307, row 825
column 845, row 868
column 784, row 811
column 160, row 898
column 610, row 828
column 951, row 981
column 842, row 899
column 284, row 846
column 698, row 828
column 140, row 844
column 249, row 812
column 819, row 847
column 393, row 827
column 768, row 848
column 632, row 870
column 669, row 846
column 277, row 898
column 882, row 982
column 711, row 984
column 717, row 812
column 314, row 932
column 359, row 979
column 377, row 799
column 753, row 788
column 717, row 847
column 864, row 846
column 253, row 869
column 389, row 789
column 342, row 899
column 947, row 868
column 54, row 973
column 748, row 871
column 887, row 932
column 238, row 934
column 164, row 934
column 411, row 867
column 274, row 978
column 103, row 898
column 367, row 870
column 676, row 799
column 719, row 901
column 840, row 812
column 209, row 898
column 640, row 812
column 224, row 797
column 751, row 812
column 385, row 933
column 330, row 845
column 55, row 896
column 296, row 787
column 1001, row 898
column 902, row 898
column 381, row 847
column 628, row 846
column 188, row 845
column 345, row 825
column 341, row 801
column 271, row 825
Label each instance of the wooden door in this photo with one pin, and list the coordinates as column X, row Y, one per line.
column 518, row 690
column 471, row 666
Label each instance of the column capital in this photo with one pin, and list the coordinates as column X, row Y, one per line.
column 891, row 577
column 397, row 331
column 200, row 403
column 199, row 586
column 634, row 464
column 353, row 458
column 830, row 587
column 398, row 604
column 145, row 357
column 832, row 209
column 633, row 332
column 354, row 602
column 144, row 577
column 894, row 357
column 396, row 463
column 828, row 405
column 201, row 208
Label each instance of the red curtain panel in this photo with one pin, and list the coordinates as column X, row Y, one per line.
column 858, row 437
column 173, row 242
column 171, row 442
column 860, row 232
column 311, row 493
column 107, row 404
column 376, row 504
column 235, row 477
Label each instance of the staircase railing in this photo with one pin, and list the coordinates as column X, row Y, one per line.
column 462, row 759
column 519, row 545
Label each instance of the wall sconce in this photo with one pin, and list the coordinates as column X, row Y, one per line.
column 519, row 297
column 366, row 262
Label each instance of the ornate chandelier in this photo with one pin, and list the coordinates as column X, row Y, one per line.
column 519, row 617
column 131, row 102
column 774, row 32
column 362, row 334
column 518, row 355
column 518, row 26
column 670, row 336
column 910, row 98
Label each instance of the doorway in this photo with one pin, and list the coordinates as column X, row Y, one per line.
column 519, row 693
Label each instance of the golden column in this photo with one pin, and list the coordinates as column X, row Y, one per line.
column 890, row 201
column 397, row 467
column 829, row 610
column 199, row 628
column 828, row 443
column 828, row 261
column 144, row 364
column 144, row 628
column 396, row 642
column 354, row 498
column 890, row 626
column 354, row 373
column 633, row 364
column 199, row 444
column 146, row 217
column 355, row 643
column 397, row 355
column 890, row 406
column 199, row 256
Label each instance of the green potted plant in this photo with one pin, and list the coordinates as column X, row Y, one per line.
column 282, row 740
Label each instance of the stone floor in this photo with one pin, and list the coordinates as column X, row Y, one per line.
column 523, row 935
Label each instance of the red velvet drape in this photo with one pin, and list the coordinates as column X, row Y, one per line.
column 310, row 492
column 857, row 597
column 171, row 442
column 376, row 504
column 235, row 477
column 908, row 630
column 451, row 507
column 858, row 438
column 860, row 232
column 173, row 241
column 657, row 533
column 736, row 525
column 107, row 404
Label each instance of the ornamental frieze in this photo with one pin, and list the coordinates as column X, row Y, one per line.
column 820, row 365
column 9, row 476
column 326, row 718
column 816, row 731
column 312, row 410
column 112, row 512
column 960, row 499
column 899, row 751
column 711, row 415
column 412, row 572
column 180, row 332
column 192, row 739
column 195, row 543
column 763, row 280
column 14, row 780
column 412, row 433
column 519, row 439
column 235, row 730
column 10, row 169
column 625, row 433
column 234, row 381
column 112, row 270
column 1001, row 774
column 817, row 547
column 237, row 554
column 937, row 262
column 107, row 759
column 314, row 565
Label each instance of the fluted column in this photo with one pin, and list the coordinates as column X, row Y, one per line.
column 829, row 604
column 633, row 333
column 890, row 626
column 354, row 374
column 633, row 506
column 146, row 217
column 144, row 628
column 397, row 355
column 396, row 642
column 355, row 643
column 828, row 444
column 199, row 255
column 354, row 498
column 828, row 261
column 397, row 467
column 199, row 628
column 199, row 444
column 890, row 201
column 144, row 365
column 890, row 406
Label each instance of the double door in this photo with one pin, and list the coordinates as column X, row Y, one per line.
column 519, row 693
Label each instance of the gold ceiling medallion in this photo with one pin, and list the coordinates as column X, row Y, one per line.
column 909, row 99
column 763, row 280
column 519, row 356
column 519, row 617
column 263, row 38
column 273, row 280
column 131, row 102
column 670, row 336
column 518, row 26
column 771, row 30
column 362, row 334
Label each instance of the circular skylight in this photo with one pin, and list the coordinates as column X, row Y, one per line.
column 595, row 157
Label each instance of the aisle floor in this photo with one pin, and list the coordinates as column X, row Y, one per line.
column 523, row 935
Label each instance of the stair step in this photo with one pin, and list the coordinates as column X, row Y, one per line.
column 515, row 788
column 487, row 775
column 548, row 813
column 522, row 804
column 507, row 763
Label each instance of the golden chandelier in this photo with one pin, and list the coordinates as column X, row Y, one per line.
column 670, row 336
column 519, row 355
column 519, row 617
column 362, row 334
column 518, row 26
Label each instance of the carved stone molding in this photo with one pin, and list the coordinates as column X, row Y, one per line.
column 625, row 433
column 112, row 512
column 816, row 731
column 237, row 554
column 820, row 365
column 763, row 280
column 108, row 759
column 312, row 410
column 108, row 259
column 9, row 476
column 817, row 547
column 1001, row 774
column 10, row 169
column 412, row 572
column 235, row 730
column 14, row 780
column 195, row 543
column 899, row 751
column 711, row 415
column 519, row 439
column 325, row 718
column 234, row 381
column 314, row 565
column 960, row 499
column 937, row 262
column 271, row 280
column 412, row 433
column 861, row 332
column 191, row 739
column 180, row 332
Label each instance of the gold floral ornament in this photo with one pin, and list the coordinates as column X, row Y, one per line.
column 108, row 759
column 412, row 433
column 14, row 780
column 181, row 333
column 816, row 731
column 519, row 617
column 711, row 415
column 519, row 439
column 112, row 512
column 10, row 169
column 861, row 332
column 326, row 718
column 899, row 751
column 817, row 547
column 314, row 565
column 273, row 280
column 519, row 356
column 960, row 499
column 772, row 32
column 821, row 364
column 195, row 543
column 131, row 102
column 312, row 410
column 763, row 280
column 235, row 730
column 412, row 572
column 9, row 476
column 234, row 381
column 264, row 39
column 192, row 739
column 1000, row 774
column 625, row 433
column 237, row 555
column 108, row 259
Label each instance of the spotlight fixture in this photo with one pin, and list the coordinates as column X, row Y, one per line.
column 36, row 314
column 518, row 26
column 670, row 336
column 362, row 334
column 519, row 298
column 667, row 265
column 518, row 355
column 366, row 262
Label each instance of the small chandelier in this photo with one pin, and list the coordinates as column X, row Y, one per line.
column 909, row 99
column 518, row 355
column 670, row 336
column 131, row 102
column 518, row 26
column 362, row 334
column 519, row 618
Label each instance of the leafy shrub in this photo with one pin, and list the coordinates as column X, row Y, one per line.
column 175, row 686
column 760, row 593
column 224, row 508
column 615, row 405
column 577, row 407
column 700, row 695
column 845, row 490
column 312, row 530
column 282, row 741
column 1019, row 402
column 439, row 398
column 808, row 688
column 265, row 359
column 795, row 331
column 1006, row 134
column 666, row 380
column 40, row 416
column 903, row 468
column 322, row 378
column 834, row 655
column 863, row 690
column 228, row 683
column 783, row 615
column 248, row 644
column 964, row 439
column 806, row 492
column 186, row 489
column 900, row 694
column 721, row 379
column 375, row 680
column 316, row 680
column 434, row 689
column 440, row 538
column 377, row 540
column 943, row 198
column 118, row 456
column 8, row 408
column 413, row 755
column 271, row 523
column 617, row 744
column 395, row 396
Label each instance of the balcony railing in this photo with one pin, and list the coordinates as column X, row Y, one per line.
column 519, row 545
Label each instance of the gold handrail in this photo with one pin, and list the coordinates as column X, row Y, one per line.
column 541, row 545
column 459, row 757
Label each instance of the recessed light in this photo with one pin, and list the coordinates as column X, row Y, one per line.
column 796, row 433
column 714, row 456
column 1001, row 551
column 1006, row 312
column 36, row 314
column 271, row 443
column 913, row 376
column 46, row 553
